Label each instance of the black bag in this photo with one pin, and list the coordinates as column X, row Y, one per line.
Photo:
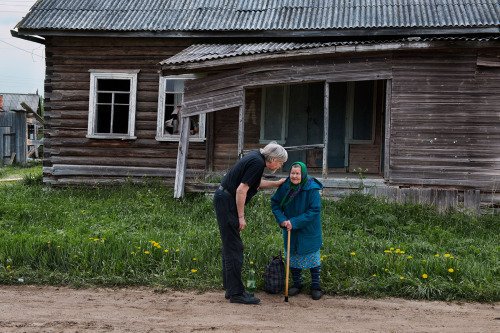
column 274, row 276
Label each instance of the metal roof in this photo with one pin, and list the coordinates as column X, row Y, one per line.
column 255, row 15
column 12, row 102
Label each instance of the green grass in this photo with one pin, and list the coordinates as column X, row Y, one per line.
column 140, row 235
column 30, row 170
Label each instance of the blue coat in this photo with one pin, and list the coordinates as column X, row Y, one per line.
column 304, row 212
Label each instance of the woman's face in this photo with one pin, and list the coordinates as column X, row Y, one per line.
column 295, row 175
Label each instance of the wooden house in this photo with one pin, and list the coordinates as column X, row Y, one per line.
column 400, row 94
column 20, row 124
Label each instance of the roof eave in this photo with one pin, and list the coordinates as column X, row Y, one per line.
column 275, row 34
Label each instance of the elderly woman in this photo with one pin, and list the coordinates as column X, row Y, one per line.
column 296, row 206
column 238, row 186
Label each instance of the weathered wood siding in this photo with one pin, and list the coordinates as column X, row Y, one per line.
column 70, row 157
column 445, row 120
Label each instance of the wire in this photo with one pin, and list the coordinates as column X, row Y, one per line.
column 31, row 52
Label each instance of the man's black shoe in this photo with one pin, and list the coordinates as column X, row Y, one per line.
column 316, row 294
column 227, row 296
column 244, row 298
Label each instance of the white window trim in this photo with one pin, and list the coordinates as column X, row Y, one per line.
column 96, row 74
column 160, row 125
column 350, row 115
column 284, row 116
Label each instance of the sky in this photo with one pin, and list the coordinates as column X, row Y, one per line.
column 22, row 63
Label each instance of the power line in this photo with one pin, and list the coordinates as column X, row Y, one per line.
column 31, row 52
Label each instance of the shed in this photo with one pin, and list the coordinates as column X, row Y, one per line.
column 396, row 98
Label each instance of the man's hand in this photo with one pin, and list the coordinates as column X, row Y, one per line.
column 243, row 223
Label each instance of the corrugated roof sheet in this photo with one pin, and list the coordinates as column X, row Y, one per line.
column 205, row 52
column 253, row 15
column 12, row 102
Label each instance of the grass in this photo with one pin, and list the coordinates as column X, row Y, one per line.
column 140, row 235
column 30, row 170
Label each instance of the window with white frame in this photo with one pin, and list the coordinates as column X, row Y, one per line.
column 112, row 104
column 274, row 114
column 170, row 97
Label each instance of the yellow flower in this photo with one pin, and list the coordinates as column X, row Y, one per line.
column 177, row 250
column 451, row 270
column 166, row 250
column 425, row 276
column 386, row 269
column 447, row 255
column 146, row 252
column 353, row 253
column 374, row 275
column 392, row 249
column 194, row 259
column 436, row 255
column 251, row 262
column 398, row 251
column 387, row 251
column 8, row 267
column 409, row 257
column 401, row 277
column 402, row 252
column 194, row 270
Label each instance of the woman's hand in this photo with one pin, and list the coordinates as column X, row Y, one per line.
column 286, row 224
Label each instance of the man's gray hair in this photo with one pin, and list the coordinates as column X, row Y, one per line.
column 273, row 151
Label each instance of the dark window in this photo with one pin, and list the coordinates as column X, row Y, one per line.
column 112, row 109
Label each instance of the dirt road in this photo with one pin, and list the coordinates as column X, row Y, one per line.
column 50, row 309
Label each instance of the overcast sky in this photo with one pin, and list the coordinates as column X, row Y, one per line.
column 22, row 63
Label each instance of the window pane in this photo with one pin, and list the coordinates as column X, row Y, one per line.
column 175, row 86
column 120, row 119
column 103, row 118
column 122, row 98
column 104, row 97
column 273, row 116
column 113, row 85
column 362, row 121
column 169, row 99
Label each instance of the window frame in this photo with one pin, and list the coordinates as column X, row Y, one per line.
column 160, row 126
column 95, row 75
column 284, row 116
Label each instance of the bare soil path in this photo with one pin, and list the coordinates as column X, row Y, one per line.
column 61, row 309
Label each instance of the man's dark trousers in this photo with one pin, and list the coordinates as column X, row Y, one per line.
column 232, row 246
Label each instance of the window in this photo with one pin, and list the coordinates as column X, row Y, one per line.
column 361, row 106
column 274, row 113
column 112, row 104
column 170, row 97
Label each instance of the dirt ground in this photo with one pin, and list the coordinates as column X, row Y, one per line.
column 51, row 309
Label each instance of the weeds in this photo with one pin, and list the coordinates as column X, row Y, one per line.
column 140, row 235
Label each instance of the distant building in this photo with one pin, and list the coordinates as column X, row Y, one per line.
column 20, row 124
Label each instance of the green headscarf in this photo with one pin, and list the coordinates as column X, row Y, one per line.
column 295, row 188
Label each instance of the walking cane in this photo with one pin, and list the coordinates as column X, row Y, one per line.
column 287, row 265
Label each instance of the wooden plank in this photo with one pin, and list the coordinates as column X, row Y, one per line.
column 180, row 175
column 326, row 115
column 387, row 134
column 241, row 127
column 472, row 201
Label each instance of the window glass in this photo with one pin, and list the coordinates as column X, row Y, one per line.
column 362, row 121
column 274, row 110
column 113, row 84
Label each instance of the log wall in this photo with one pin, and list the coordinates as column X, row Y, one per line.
column 70, row 157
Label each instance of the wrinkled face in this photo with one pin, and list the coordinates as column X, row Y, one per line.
column 295, row 175
column 274, row 165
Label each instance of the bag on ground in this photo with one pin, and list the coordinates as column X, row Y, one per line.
column 274, row 276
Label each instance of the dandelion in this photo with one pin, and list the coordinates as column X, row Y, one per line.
column 401, row 277
column 374, row 275
column 8, row 267
column 177, row 250
column 425, row 276
column 386, row 269
column 194, row 259
column 132, row 253
column 387, row 251
column 451, row 270
column 409, row 257
column 353, row 253
column 194, row 270
column 166, row 250
column 146, row 252
column 447, row 255
column 436, row 255
column 398, row 251
column 392, row 249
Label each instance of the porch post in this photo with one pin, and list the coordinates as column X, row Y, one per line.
column 241, row 127
column 182, row 152
column 325, row 129
column 387, row 141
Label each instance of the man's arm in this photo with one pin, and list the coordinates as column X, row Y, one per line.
column 271, row 183
column 241, row 196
